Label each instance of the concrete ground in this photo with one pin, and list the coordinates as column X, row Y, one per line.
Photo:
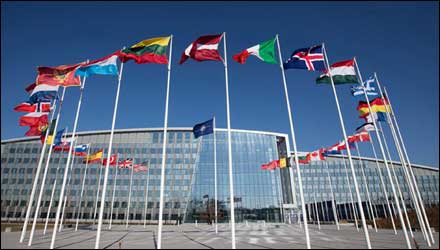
column 190, row 236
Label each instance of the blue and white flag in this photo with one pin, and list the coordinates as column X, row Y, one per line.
column 204, row 128
column 103, row 66
column 370, row 88
column 81, row 150
column 43, row 93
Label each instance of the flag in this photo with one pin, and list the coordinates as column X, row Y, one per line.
column 152, row 50
column 37, row 130
column 377, row 105
column 306, row 58
column 63, row 75
column 283, row 163
column 127, row 163
column 140, row 167
column 369, row 86
column 203, row 128
column 113, row 160
column 65, row 145
column 43, row 93
column 369, row 126
column 104, row 66
column 50, row 133
column 327, row 152
column 265, row 51
column 315, row 156
column 302, row 159
column 96, row 157
column 58, row 137
column 273, row 164
column 377, row 116
column 33, row 107
column 359, row 137
column 342, row 72
column 203, row 48
column 33, row 119
column 30, row 87
column 81, row 150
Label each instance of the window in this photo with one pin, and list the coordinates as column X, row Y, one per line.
column 6, row 170
column 12, row 151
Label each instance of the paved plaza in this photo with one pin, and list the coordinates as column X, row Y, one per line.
column 190, row 236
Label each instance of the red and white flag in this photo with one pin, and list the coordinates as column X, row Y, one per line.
column 34, row 119
column 127, row 163
column 359, row 137
column 315, row 155
column 36, row 107
column 113, row 160
column 204, row 48
column 139, row 168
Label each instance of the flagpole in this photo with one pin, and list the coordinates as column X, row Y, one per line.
column 397, row 182
column 292, row 133
column 356, row 187
column 369, row 206
column 53, row 193
column 115, row 179
column 215, row 178
column 353, row 207
column 316, row 207
column 82, row 188
column 129, row 194
column 165, row 128
column 146, row 195
column 333, row 197
column 104, row 186
column 97, row 192
column 408, row 242
column 409, row 162
column 384, row 189
column 37, row 173
column 68, row 191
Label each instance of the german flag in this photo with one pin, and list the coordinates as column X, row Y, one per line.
column 377, row 105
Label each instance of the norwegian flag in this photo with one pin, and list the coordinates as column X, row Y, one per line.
column 127, row 163
column 311, row 59
column 33, row 107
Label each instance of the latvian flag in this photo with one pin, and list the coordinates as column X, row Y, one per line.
column 203, row 48
column 342, row 72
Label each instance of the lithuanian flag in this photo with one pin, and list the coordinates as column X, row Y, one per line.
column 152, row 50
column 96, row 157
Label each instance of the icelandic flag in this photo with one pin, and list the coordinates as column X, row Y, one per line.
column 306, row 58
column 204, row 128
column 369, row 86
column 43, row 93
column 81, row 150
column 103, row 66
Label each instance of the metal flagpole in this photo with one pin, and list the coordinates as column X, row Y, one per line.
column 162, row 174
column 215, row 179
column 353, row 207
column 364, row 223
column 54, row 187
column 129, row 195
column 408, row 242
column 397, row 181
column 333, row 197
column 369, row 206
column 97, row 194
column 409, row 163
column 40, row 162
column 231, row 181
column 104, row 186
column 115, row 179
column 316, row 207
column 384, row 188
column 68, row 192
column 292, row 133
column 280, row 196
column 82, row 189
column 146, row 195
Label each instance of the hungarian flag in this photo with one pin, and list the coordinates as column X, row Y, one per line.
column 203, row 48
column 63, row 75
column 342, row 72
column 315, row 156
column 37, row 130
column 377, row 105
column 152, row 50
column 33, row 107
column 113, row 160
column 33, row 119
column 265, row 51
column 359, row 137
column 96, row 157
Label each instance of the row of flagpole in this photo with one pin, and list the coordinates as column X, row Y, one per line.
column 409, row 175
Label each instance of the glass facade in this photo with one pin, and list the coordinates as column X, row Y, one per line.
column 189, row 184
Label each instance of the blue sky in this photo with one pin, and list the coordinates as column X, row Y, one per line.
column 398, row 40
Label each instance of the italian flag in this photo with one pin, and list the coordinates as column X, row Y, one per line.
column 342, row 72
column 265, row 51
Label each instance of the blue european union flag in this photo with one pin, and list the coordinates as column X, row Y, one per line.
column 204, row 128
